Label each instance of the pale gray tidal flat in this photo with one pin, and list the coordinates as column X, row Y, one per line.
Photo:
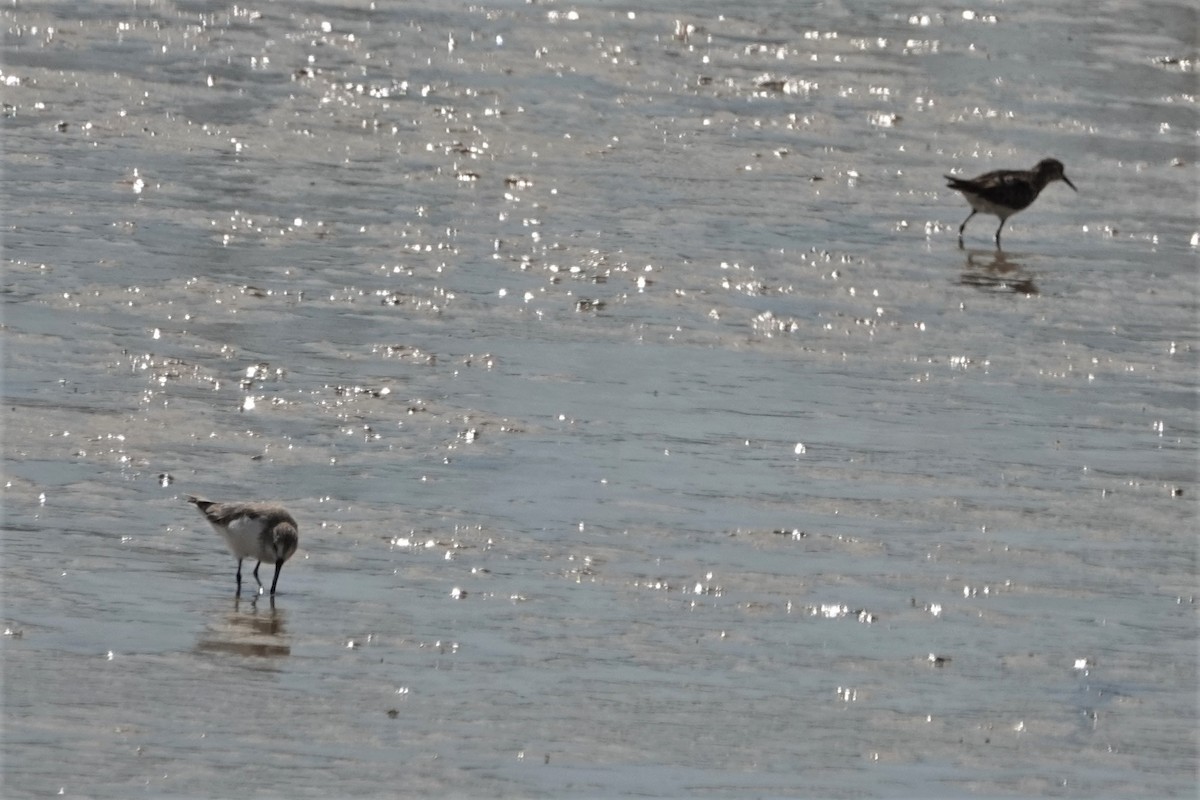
column 647, row 430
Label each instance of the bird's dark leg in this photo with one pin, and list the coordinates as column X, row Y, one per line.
column 962, row 227
column 1002, row 221
column 256, row 580
column 239, row 578
column 278, row 567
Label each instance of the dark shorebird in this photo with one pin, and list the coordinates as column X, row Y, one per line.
column 253, row 530
column 1006, row 191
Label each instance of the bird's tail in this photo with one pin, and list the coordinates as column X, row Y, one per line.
column 198, row 503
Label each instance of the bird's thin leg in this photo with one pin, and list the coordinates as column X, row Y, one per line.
column 278, row 567
column 962, row 227
column 1002, row 221
column 239, row 578
column 256, row 580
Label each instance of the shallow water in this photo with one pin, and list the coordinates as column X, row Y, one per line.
column 648, row 432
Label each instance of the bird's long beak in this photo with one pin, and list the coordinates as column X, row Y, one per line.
column 1067, row 181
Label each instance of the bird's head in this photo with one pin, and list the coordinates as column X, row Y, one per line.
column 1051, row 169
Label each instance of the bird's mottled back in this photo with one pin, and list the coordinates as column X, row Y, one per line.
column 224, row 513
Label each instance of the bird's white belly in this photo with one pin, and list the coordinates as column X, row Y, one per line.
column 984, row 206
column 244, row 537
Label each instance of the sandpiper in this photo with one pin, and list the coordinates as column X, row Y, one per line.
column 1006, row 191
column 253, row 530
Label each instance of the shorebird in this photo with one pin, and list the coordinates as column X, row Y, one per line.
column 1006, row 191
column 253, row 530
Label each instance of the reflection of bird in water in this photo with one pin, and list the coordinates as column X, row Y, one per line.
column 1006, row 191
column 997, row 272
column 253, row 530
column 254, row 632
column 264, row 624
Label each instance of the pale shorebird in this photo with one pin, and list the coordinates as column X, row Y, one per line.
column 253, row 530
column 1006, row 191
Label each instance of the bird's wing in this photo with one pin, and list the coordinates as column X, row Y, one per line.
column 225, row 513
column 1012, row 189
